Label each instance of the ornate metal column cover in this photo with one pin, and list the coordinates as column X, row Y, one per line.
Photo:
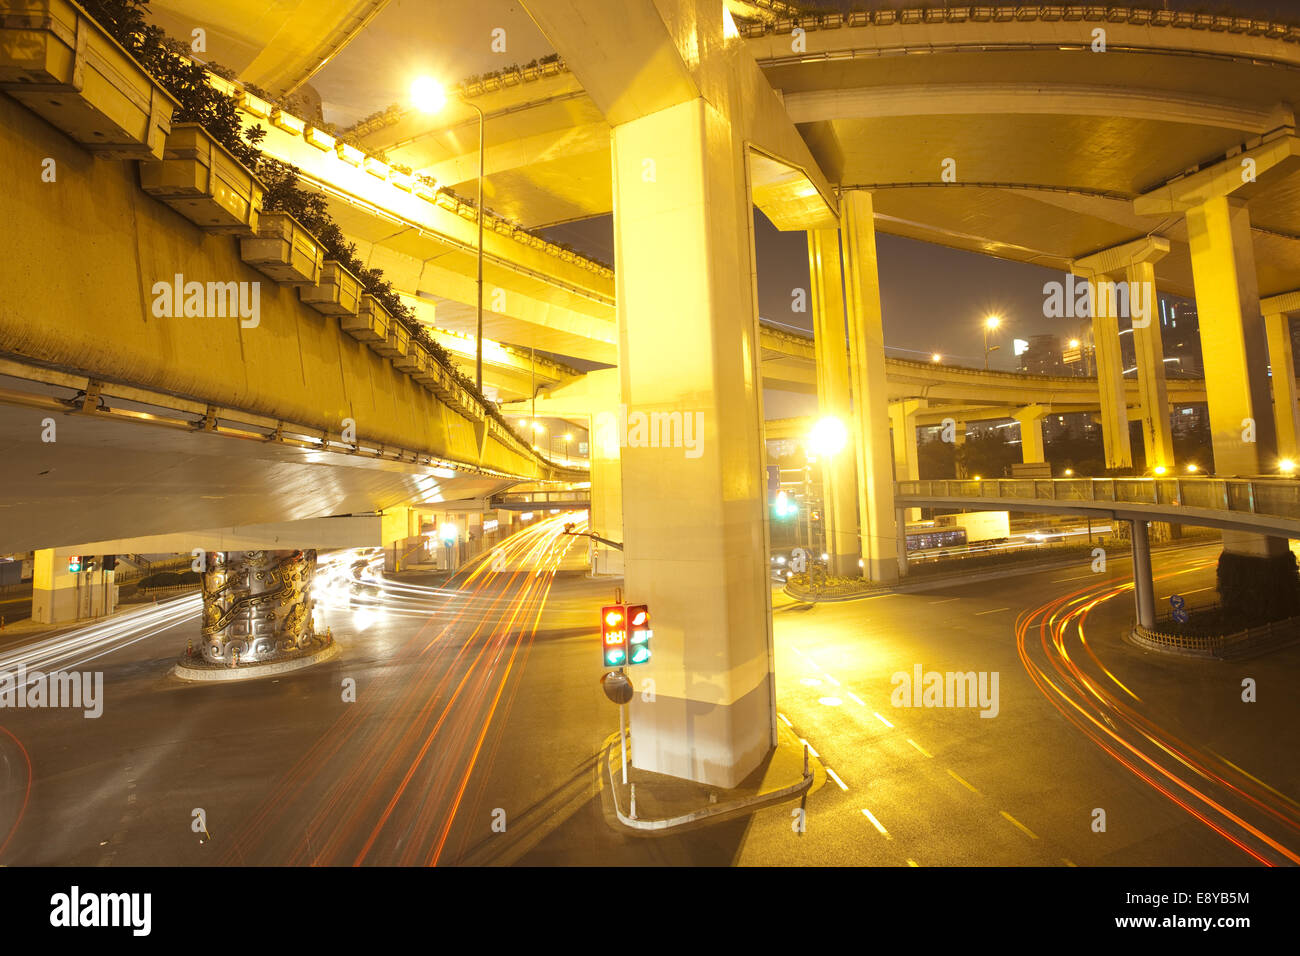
column 258, row 605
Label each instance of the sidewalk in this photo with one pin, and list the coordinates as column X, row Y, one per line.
column 664, row 803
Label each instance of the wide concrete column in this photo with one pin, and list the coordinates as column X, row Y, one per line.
column 907, row 465
column 694, row 521
column 877, row 519
column 830, row 342
column 60, row 596
column 257, row 615
column 1031, row 433
column 1149, row 352
column 1234, row 343
column 1144, row 593
column 1122, row 280
column 606, row 493
column 958, row 441
column 1277, row 328
column 399, row 534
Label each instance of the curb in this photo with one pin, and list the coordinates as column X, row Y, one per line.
column 202, row 675
column 713, row 810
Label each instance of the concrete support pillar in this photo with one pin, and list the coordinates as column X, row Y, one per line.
column 694, row 521
column 258, row 615
column 1031, row 433
column 399, row 532
column 907, row 466
column 1277, row 327
column 1149, row 350
column 1133, row 265
column 839, row 489
column 1110, row 383
column 606, row 492
column 877, row 518
column 1144, row 593
column 60, row 596
column 1233, row 341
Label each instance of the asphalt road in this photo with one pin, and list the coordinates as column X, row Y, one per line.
column 478, row 719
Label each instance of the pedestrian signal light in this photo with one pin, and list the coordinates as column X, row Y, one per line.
column 613, row 634
column 74, row 564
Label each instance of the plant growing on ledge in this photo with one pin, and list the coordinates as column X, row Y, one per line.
column 168, row 61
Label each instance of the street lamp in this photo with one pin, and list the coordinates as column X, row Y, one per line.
column 990, row 325
column 828, row 437
column 936, row 357
column 429, row 97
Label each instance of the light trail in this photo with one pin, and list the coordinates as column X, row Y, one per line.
column 387, row 781
column 1218, row 794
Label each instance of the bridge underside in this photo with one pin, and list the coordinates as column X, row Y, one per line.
column 106, row 477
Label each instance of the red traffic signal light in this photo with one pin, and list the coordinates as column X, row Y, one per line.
column 639, row 633
column 613, row 634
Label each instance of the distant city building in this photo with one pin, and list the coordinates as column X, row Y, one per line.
column 1181, row 334
column 1078, row 357
column 1042, row 356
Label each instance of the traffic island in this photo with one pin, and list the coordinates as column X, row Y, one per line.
column 652, row 804
column 1200, row 637
column 827, row 588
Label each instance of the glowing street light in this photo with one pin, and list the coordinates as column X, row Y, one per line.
column 1192, row 469
column 936, row 357
column 428, row 96
column 1287, row 466
column 828, row 437
column 991, row 324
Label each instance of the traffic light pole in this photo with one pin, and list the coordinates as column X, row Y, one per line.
column 622, row 738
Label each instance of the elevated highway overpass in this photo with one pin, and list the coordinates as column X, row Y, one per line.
column 119, row 418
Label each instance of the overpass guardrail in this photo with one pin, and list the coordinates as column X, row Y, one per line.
column 1266, row 497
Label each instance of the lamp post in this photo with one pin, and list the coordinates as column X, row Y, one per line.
column 429, row 97
column 990, row 325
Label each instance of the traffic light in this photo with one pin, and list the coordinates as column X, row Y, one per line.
column 785, row 507
column 639, row 633
column 110, row 562
column 89, row 564
column 613, row 634
column 74, row 564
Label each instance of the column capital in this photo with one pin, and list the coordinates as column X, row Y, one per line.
column 1118, row 258
column 1283, row 304
column 1031, row 413
column 1237, row 174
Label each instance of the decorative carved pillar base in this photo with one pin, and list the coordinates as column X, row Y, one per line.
column 257, row 612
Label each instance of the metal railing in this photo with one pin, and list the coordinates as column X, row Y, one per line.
column 1270, row 497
